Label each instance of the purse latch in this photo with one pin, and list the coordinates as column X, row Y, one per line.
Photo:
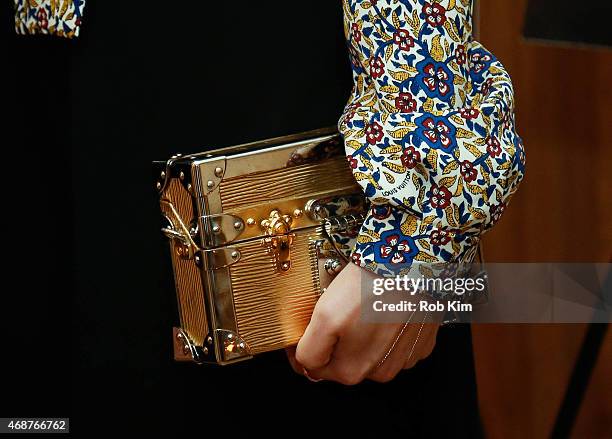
column 279, row 238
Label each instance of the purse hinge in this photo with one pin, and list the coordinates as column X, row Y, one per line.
column 220, row 229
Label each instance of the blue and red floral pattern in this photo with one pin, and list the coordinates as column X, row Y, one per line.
column 428, row 131
column 52, row 17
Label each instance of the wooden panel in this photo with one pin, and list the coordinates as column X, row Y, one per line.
column 561, row 213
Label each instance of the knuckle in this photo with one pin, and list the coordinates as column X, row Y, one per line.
column 303, row 357
column 296, row 369
column 350, row 379
column 351, row 376
column 325, row 317
column 410, row 364
column 384, row 376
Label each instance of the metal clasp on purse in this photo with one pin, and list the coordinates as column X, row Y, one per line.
column 279, row 238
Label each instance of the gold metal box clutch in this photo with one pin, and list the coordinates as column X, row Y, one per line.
column 256, row 232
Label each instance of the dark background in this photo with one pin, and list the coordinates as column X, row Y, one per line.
column 88, row 297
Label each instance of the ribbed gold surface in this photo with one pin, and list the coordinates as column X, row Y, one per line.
column 291, row 182
column 190, row 292
column 273, row 309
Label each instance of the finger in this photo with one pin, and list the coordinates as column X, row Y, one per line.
column 416, row 343
column 390, row 366
column 357, row 353
column 395, row 361
column 424, row 347
column 410, row 364
column 295, row 365
column 315, row 348
column 340, row 371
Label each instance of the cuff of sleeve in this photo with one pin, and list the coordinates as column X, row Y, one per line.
column 393, row 241
column 62, row 19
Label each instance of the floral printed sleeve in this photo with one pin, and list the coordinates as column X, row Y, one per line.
column 61, row 18
column 428, row 130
